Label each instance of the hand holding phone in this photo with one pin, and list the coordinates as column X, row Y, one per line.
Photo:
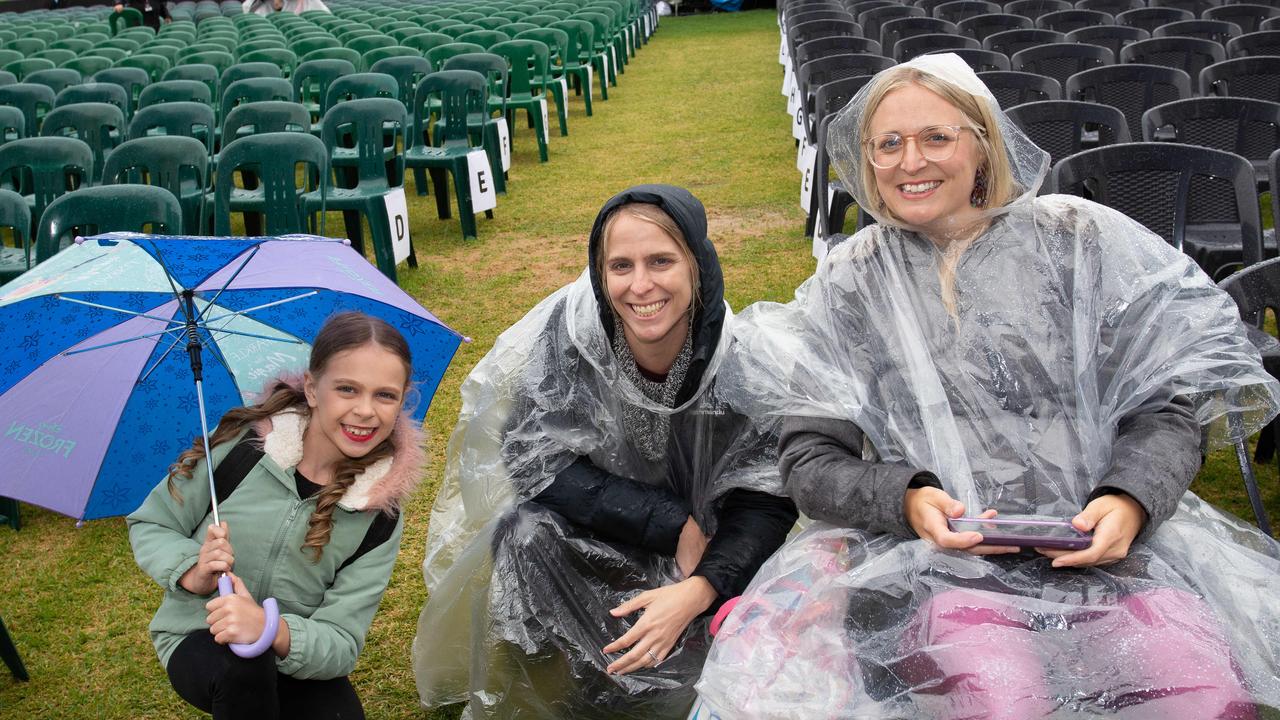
column 1023, row 531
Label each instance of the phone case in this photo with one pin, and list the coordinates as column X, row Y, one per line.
column 1008, row 535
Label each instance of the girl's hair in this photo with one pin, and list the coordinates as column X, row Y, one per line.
column 344, row 331
column 653, row 215
column 1001, row 187
column 977, row 112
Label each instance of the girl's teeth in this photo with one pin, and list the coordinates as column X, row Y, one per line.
column 358, row 432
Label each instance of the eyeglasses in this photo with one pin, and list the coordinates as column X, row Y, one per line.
column 936, row 143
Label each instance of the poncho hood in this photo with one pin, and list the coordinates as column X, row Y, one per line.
column 689, row 214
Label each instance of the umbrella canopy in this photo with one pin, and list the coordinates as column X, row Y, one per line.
column 97, row 396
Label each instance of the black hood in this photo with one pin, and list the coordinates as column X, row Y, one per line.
column 691, row 216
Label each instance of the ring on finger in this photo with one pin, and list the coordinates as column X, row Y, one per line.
column 652, row 656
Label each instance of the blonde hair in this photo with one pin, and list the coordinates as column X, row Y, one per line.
column 1001, row 187
column 653, row 215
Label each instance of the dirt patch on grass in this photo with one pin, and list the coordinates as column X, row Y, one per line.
column 728, row 228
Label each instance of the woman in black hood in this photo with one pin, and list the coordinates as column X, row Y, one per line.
column 595, row 473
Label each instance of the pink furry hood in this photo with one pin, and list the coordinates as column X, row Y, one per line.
column 383, row 486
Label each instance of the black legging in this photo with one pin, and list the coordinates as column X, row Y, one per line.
column 216, row 680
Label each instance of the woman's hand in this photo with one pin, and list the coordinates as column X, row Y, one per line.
column 1115, row 521
column 690, row 547
column 927, row 510
column 236, row 617
column 667, row 612
column 216, row 557
column 119, row 7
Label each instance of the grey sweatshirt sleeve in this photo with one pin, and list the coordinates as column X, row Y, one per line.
column 822, row 466
column 1155, row 457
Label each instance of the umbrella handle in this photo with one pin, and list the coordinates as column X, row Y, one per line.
column 254, row 649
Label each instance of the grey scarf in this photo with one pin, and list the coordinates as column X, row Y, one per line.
column 648, row 430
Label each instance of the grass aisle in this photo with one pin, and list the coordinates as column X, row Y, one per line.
column 699, row 107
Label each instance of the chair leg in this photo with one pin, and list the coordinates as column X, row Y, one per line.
column 383, row 253
column 9, row 652
column 420, row 181
column 493, row 148
column 558, row 94
column 10, row 514
column 539, row 129
column 441, row 183
column 1251, row 487
column 466, row 211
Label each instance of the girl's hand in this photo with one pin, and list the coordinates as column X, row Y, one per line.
column 690, row 547
column 216, row 557
column 927, row 510
column 1115, row 521
column 667, row 612
column 236, row 617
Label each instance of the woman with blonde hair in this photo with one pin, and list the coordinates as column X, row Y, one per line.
column 985, row 352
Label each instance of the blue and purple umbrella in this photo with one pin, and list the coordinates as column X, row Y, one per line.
column 97, row 396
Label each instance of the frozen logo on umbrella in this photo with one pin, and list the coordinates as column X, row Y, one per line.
column 42, row 438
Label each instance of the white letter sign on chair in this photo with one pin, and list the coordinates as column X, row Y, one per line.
column 483, row 196
column 398, row 224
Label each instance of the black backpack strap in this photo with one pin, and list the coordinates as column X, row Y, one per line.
column 379, row 532
column 235, row 467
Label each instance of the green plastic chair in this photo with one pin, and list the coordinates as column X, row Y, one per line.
column 456, row 31
column 220, row 59
column 341, row 53
column 442, row 53
column 460, row 93
column 311, row 81
column 581, row 40
column 177, row 164
column 359, row 86
column 404, row 33
column 408, row 71
column 261, row 43
column 515, row 28
column 554, row 80
column 15, row 259
column 360, row 135
column 377, row 54
column 484, row 38
column 9, row 56
column 44, row 168
column 246, row 70
column 468, row 16
column 250, row 90
column 427, row 42
column 35, row 101
column 126, row 18
column 58, row 79
column 273, row 159
column 22, row 68
column 186, row 119
column 267, row 116
column 527, row 59
column 27, row 45
column 100, row 125
column 94, row 92
column 280, row 57
column 125, row 44
column 206, row 75
column 483, row 125
column 115, row 55
column 490, row 22
column 79, row 46
column 89, row 65
column 57, row 56
column 364, row 44
column 154, row 65
column 106, row 208
column 438, row 26
column 132, row 79
column 167, row 91
column 304, row 45
column 8, row 78
column 13, row 124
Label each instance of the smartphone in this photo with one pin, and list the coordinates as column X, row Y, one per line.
column 1024, row 532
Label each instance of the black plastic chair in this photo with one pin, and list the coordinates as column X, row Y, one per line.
column 1015, row 88
column 1249, row 16
column 1218, row 31
column 1195, row 7
column 806, row 32
column 828, row 13
column 817, row 73
column 1132, row 88
column 980, row 27
column 963, row 9
column 1033, row 9
column 872, row 20
column 1270, row 24
column 1256, row 289
column 1247, row 127
column 977, row 59
column 908, row 48
column 901, row 28
column 1150, row 18
column 1012, row 42
column 1188, row 54
column 1112, row 37
column 857, row 7
column 928, row 5
column 1263, row 42
column 1111, row 7
column 1060, row 60
column 1064, row 21
column 1063, row 128
column 1200, row 200
column 827, row 198
column 1255, row 77
column 822, row 47
column 9, row 652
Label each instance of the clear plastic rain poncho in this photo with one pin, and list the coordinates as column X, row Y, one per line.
column 518, row 606
column 1070, row 321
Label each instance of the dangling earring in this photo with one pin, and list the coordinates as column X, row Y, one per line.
column 978, row 197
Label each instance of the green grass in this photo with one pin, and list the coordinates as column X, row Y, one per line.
column 699, row 107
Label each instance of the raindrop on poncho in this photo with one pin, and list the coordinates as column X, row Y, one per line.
column 1074, row 329
column 519, row 598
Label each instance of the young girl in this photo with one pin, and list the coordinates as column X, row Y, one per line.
column 309, row 486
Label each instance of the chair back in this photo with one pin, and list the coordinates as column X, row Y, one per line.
column 106, row 208
column 13, row 124
column 461, row 92
column 364, row 123
column 100, row 125
column 172, row 162
column 1245, row 126
column 154, row 65
column 273, row 158
column 254, row 89
column 407, row 71
column 15, row 215
column 526, row 60
column 175, row 91
column 47, row 166
column 1012, row 88
column 109, row 93
column 360, row 85
column 1058, row 126
column 1132, row 87
column 132, row 79
column 268, row 116
column 57, row 78
column 186, row 119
